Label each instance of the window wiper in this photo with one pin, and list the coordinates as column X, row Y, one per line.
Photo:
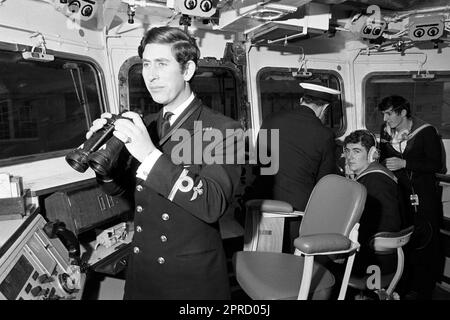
column 80, row 91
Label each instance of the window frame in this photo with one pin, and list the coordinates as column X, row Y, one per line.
column 208, row 62
column 100, row 84
column 339, row 132
column 392, row 73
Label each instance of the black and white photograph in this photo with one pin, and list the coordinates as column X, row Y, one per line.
column 220, row 159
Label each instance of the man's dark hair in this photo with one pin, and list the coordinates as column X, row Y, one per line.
column 184, row 47
column 366, row 138
column 398, row 103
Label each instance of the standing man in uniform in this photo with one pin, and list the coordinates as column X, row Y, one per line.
column 306, row 154
column 411, row 149
column 177, row 246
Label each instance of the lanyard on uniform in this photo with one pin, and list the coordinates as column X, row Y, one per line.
column 413, row 197
column 183, row 120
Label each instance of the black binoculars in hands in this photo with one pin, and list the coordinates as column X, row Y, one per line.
column 100, row 151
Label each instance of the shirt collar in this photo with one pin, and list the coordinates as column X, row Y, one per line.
column 179, row 110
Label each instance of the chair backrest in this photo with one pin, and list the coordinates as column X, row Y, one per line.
column 388, row 241
column 335, row 206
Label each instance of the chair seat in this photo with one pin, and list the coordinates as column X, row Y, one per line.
column 277, row 276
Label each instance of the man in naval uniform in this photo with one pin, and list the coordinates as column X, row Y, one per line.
column 382, row 209
column 181, row 188
column 412, row 149
column 306, row 154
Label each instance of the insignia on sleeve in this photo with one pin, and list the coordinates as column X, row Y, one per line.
column 197, row 190
column 186, row 184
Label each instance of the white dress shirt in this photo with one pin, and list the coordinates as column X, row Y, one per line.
column 150, row 160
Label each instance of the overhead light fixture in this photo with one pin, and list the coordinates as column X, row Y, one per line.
column 196, row 8
column 266, row 14
column 426, row 28
column 270, row 11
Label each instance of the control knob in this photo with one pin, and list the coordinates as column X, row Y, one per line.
column 37, row 291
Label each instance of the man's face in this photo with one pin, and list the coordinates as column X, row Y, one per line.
column 356, row 157
column 392, row 118
column 163, row 76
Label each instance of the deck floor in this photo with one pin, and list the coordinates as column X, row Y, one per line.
column 102, row 287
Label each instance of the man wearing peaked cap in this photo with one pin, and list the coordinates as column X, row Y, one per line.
column 326, row 93
column 306, row 153
column 320, row 96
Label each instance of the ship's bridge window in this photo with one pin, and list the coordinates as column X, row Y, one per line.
column 215, row 86
column 429, row 99
column 45, row 107
column 280, row 90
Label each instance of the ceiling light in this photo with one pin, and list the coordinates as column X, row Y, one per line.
column 266, row 14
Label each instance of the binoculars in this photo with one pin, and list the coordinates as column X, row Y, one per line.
column 100, row 151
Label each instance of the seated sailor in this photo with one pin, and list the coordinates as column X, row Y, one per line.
column 382, row 209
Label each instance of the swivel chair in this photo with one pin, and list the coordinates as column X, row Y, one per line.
column 384, row 243
column 264, row 224
column 329, row 227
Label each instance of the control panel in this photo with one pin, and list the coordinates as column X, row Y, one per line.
column 83, row 10
column 36, row 267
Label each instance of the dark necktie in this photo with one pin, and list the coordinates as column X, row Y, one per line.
column 165, row 124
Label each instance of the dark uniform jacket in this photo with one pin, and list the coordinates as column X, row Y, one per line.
column 306, row 154
column 424, row 158
column 381, row 214
column 178, row 251
column 423, row 155
column 382, row 210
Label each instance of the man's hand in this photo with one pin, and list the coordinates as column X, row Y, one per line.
column 98, row 124
column 134, row 134
column 395, row 163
